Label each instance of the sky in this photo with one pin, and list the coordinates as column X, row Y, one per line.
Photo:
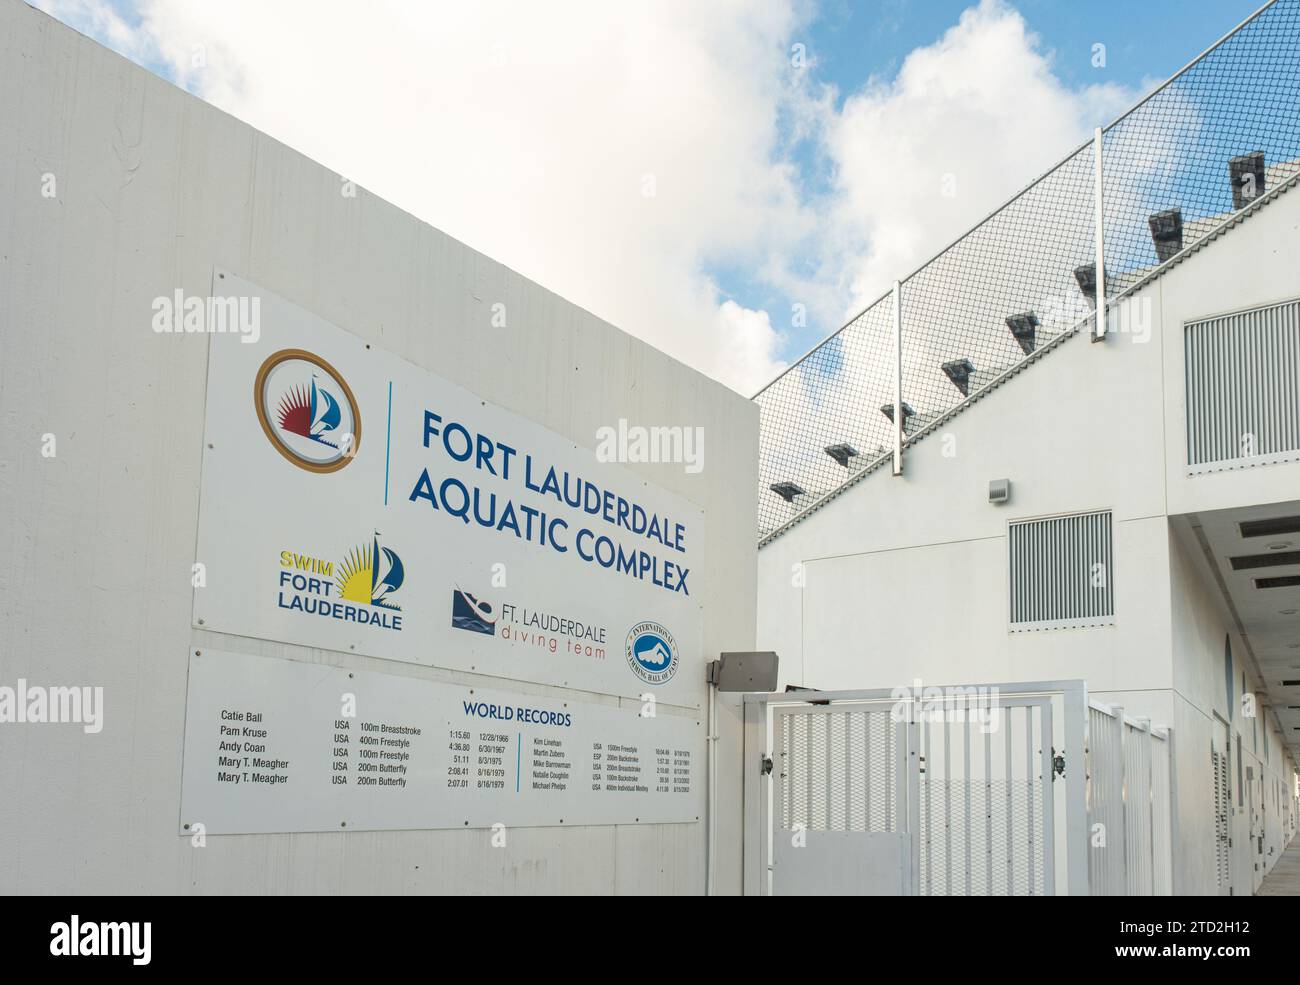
column 730, row 182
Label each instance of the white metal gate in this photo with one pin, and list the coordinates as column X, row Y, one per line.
column 946, row 791
column 842, row 789
column 987, row 817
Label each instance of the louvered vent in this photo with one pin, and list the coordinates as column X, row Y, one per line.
column 1243, row 391
column 1062, row 572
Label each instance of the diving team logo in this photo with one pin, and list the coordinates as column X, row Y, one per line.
column 307, row 411
column 652, row 653
column 471, row 613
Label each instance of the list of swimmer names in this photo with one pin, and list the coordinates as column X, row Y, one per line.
column 274, row 745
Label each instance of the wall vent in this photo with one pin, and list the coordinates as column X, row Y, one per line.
column 1271, row 527
column 1061, row 572
column 1278, row 559
column 1283, row 581
column 1243, row 392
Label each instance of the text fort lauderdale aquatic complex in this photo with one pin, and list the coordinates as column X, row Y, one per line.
column 534, row 525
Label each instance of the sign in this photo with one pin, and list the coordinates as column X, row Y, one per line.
column 275, row 745
column 355, row 502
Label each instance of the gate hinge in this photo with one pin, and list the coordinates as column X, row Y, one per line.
column 1058, row 764
column 765, row 765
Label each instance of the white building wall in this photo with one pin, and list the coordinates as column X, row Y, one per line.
column 1254, row 265
column 924, row 556
column 154, row 188
column 906, row 577
column 1201, row 712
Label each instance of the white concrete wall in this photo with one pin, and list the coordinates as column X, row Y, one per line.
column 1253, row 265
column 906, row 577
column 154, row 188
column 1201, row 708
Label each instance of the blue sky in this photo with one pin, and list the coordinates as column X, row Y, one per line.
column 775, row 190
column 852, row 43
column 1150, row 38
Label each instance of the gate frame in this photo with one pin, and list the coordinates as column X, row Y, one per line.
column 758, row 786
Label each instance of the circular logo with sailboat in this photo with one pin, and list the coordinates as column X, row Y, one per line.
column 652, row 652
column 307, row 411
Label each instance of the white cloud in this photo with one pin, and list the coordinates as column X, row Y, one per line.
column 609, row 151
column 618, row 152
column 979, row 112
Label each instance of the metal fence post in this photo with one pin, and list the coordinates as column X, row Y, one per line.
column 1099, row 237
column 1151, row 798
column 1075, row 705
column 1174, row 872
column 898, row 379
column 1122, row 799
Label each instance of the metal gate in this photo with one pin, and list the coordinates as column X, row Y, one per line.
column 841, row 797
column 941, row 791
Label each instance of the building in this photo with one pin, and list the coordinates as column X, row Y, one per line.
column 1124, row 511
column 203, row 566
column 330, row 568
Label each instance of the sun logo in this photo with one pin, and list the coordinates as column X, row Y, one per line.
column 370, row 573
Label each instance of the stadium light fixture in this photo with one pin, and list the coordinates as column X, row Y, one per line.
column 1024, row 327
column 1247, row 175
column 787, row 490
column 888, row 411
column 959, row 372
column 841, row 453
column 1167, row 233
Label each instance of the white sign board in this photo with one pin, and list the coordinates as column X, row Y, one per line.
column 356, row 502
column 275, row 745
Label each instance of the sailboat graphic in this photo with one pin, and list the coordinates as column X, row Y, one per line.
column 370, row 574
column 312, row 412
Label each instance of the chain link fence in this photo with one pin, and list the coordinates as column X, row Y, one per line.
column 1211, row 142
